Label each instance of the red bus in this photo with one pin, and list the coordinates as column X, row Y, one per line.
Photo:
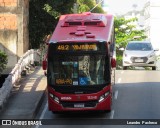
column 80, row 63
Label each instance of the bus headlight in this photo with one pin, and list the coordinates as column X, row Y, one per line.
column 102, row 97
column 106, row 94
column 56, row 99
column 51, row 95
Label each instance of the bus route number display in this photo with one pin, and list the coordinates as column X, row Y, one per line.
column 64, row 81
column 77, row 47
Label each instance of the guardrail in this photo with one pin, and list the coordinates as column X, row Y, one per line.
column 28, row 59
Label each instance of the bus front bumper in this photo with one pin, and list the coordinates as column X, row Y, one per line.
column 74, row 106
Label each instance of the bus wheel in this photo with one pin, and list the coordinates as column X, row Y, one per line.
column 124, row 67
column 154, row 68
column 55, row 112
column 107, row 111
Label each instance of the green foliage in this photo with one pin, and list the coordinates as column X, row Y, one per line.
column 44, row 15
column 3, row 61
column 87, row 5
column 125, row 31
column 43, row 18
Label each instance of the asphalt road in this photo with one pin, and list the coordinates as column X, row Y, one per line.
column 136, row 96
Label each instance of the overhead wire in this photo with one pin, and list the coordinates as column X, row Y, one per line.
column 96, row 5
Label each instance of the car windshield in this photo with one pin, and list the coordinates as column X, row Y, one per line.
column 139, row 46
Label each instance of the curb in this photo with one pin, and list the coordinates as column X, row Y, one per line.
column 4, row 95
column 39, row 104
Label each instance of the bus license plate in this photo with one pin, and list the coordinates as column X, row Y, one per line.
column 78, row 105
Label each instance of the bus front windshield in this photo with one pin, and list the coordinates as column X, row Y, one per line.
column 78, row 70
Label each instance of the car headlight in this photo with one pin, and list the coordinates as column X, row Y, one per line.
column 151, row 55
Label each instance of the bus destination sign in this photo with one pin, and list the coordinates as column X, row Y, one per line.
column 76, row 47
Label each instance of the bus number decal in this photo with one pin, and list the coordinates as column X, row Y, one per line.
column 63, row 47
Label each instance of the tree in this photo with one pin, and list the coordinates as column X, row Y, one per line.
column 87, row 5
column 3, row 61
column 44, row 15
column 43, row 18
column 125, row 31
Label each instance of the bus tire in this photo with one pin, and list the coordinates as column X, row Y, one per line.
column 55, row 112
column 107, row 111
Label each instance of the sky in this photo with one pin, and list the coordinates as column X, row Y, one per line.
column 123, row 6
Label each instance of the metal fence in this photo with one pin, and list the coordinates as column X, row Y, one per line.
column 26, row 60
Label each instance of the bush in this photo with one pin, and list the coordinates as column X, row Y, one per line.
column 3, row 61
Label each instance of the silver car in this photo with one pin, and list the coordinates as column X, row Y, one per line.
column 139, row 54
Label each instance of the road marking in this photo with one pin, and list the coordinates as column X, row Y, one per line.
column 42, row 114
column 112, row 114
column 116, row 95
column 119, row 80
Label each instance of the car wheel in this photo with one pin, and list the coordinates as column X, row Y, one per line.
column 124, row 67
column 154, row 68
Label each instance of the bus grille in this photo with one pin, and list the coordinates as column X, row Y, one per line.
column 87, row 104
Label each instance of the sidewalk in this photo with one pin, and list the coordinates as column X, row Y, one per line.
column 26, row 97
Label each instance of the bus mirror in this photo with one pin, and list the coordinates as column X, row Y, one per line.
column 44, row 65
column 113, row 63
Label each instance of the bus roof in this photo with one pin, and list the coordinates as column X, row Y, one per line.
column 83, row 27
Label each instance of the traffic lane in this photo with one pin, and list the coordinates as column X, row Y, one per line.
column 138, row 94
column 124, row 90
column 120, row 77
column 122, row 114
column 137, row 101
column 79, row 115
column 135, row 76
column 133, row 94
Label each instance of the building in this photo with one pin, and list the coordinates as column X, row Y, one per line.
column 136, row 14
column 14, row 20
column 152, row 22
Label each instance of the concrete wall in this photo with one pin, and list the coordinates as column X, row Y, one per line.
column 14, row 17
